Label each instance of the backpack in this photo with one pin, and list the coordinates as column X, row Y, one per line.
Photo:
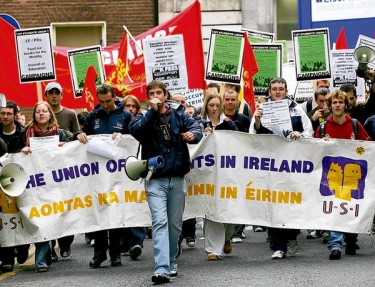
column 323, row 128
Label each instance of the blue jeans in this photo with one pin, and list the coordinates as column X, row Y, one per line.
column 335, row 240
column 42, row 250
column 166, row 199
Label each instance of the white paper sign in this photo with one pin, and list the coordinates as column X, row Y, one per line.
column 40, row 142
column 276, row 117
column 165, row 61
column 35, row 55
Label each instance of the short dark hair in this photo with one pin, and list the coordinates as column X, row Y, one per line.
column 348, row 87
column 278, row 80
column 12, row 105
column 214, row 85
column 321, row 91
column 104, row 89
column 157, row 84
column 81, row 117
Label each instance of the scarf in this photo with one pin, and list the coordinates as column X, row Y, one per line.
column 36, row 131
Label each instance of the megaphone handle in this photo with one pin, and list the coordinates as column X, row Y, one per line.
column 149, row 174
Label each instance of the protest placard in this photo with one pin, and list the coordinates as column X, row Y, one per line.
column 224, row 60
column 79, row 61
column 311, row 54
column 269, row 61
column 35, row 55
column 165, row 61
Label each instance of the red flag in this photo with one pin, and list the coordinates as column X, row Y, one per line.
column 250, row 68
column 119, row 76
column 10, row 86
column 188, row 23
column 341, row 40
column 89, row 88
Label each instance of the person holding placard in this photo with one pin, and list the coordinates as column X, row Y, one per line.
column 282, row 240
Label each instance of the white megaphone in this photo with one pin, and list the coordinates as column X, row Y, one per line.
column 134, row 167
column 363, row 55
column 13, row 179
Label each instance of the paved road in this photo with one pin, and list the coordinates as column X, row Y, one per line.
column 248, row 265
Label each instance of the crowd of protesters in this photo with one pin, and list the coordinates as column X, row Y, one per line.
column 165, row 125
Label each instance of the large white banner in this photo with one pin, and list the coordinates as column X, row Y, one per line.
column 235, row 178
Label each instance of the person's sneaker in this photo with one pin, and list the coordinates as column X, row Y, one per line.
column 135, row 251
column 158, row 279
column 7, row 268
column 311, row 235
column 350, row 250
column 325, row 237
column 243, row 236
column 227, row 247
column 92, row 242
column 335, row 255
column 116, row 261
column 292, row 247
column 179, row 252
column 190, row 242
column 65, row 253
column 236, row 239
column 54, row 256
column 96, row 261
column 212, row 257
column 278, row 254
column 42, row 269
column 173, row 273
column 258, row 229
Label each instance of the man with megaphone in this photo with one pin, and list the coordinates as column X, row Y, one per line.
column 165, row 131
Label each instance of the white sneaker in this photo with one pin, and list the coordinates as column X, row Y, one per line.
column 292, row 247
column 278, row 254
column 236, row 240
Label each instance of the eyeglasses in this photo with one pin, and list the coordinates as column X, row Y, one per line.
column 278, row 89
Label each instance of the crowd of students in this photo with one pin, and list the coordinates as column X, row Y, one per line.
column 164, row 126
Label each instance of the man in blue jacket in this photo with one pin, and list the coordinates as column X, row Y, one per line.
column 108, row 117
column 165, row 131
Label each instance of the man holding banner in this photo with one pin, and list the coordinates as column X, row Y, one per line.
column 282, row 240
column 340, row 125
column 164, row 132
column 108, row 117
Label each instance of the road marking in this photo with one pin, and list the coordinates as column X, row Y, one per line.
column 17, row 267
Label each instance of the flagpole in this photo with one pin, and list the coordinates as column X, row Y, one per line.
column 131, row 36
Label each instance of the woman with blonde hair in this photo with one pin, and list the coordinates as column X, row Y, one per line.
column 216, row 235
column 212, row 115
